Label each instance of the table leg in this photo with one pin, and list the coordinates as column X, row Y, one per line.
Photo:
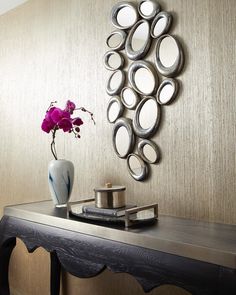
column 55, row 274
column 5, row 255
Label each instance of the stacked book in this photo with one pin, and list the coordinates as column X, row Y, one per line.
column 91, row 209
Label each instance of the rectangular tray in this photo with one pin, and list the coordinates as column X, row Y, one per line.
column 137, row 216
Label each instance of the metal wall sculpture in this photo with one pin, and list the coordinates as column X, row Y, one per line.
column 139, row 28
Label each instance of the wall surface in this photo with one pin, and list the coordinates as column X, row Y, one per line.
column 52, row 50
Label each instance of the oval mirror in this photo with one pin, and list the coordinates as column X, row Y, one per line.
column 143, row 77
column 115, row 82
column 161, row 24
column 147, row 117
column 167, row 91
column 148, row 151
column 129, row 98
column 148, row 8
column 169, row 56
column 113, row 60
column 116, row 40
column 138, row 41
column 137, row 168
column 115, row 109
column 124, row 15
column 123, row 137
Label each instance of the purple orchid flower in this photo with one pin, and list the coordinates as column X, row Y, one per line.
column 56, row 119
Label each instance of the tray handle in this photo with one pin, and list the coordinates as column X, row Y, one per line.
column 128, row 212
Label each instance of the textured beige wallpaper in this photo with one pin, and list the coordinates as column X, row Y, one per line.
column 52, row 49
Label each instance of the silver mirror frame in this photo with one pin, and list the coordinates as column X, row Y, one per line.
column 138, row 130
column 133, row 69
column 137, row 54
column 115, row 99
column 127, row 123
column 156, row 9
column 123, row 39
column 141, row 145
column 118, row 89
column 168, row 17
column 115, row 10
column 174, row 83
column 175, row 69
column 106, row 57
column 136, row 98
column 144, row 168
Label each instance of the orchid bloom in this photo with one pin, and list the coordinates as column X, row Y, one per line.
column 56, row 119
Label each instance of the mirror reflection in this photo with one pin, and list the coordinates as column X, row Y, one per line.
column 148, row 114
column 129, row 98
column 140, row 36
column 122, row 141
column 138, row 41
column 148, row 8
column 144, row 80
column 124, row 15
column 123, row 137
column 114, row 109
column 148, row 151
column 143, row 77
column 135, row 165
column 161, row 24
column 147, row 117
column 167, row 91
column 116, row 40
column 169, row 56
column 137, row 168
column 115, row 82
column 168, row 52
column 113, row 60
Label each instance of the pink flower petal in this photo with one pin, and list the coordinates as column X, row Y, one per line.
column 70, row 107
column 77, row 121
column 65, row 124
column 58, row 114
column 47, row 125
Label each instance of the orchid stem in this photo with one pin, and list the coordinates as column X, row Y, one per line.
column 53, row 145
column 90, row 113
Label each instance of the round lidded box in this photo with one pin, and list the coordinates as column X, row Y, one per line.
column 109, row 197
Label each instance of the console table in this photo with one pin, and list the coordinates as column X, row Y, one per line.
column 197, row 256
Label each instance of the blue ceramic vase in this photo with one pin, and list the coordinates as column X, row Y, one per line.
column 60, row 179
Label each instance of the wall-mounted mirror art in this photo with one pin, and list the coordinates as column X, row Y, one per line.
column 144, row 59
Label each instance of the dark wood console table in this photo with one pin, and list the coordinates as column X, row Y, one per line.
column 197, row 256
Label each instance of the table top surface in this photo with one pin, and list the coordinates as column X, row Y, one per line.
column 204, row 241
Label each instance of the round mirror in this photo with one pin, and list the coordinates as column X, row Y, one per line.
column 116, row 40
column 169, row 56
column 129, row 98
column 113, row 60
column 167, row 91
column 161, row 24
column 147, row 117
column 143, row 77
column 138, row 41
column 115, row 109
column 148, row 151
column 123, row 137
column 115, row 82
column 137, row 168
column 124, row 15
column 148, row 8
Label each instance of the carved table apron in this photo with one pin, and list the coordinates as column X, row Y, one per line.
column 185, row 253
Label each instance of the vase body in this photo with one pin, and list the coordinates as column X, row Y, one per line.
column 60, row 179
